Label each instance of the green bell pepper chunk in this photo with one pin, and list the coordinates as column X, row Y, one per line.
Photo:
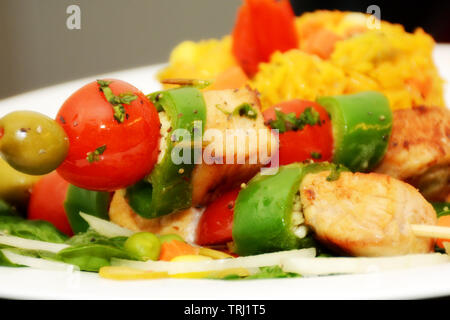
column 362, row 125
column 168, row 188
column 263, row 214
column 95, row 203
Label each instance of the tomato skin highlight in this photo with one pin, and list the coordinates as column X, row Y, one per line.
column 47, row 202
column 262, row 27
column 216, row 223
column 131, row 146
column 297, row 146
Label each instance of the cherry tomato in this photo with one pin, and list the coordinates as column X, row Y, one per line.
column 215, row 226
column 263, row 27
column 106, row 154
column 47, row 202
column 312, row 142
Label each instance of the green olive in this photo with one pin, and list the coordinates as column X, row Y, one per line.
column 15, row 186
column 144, row 246
column 169, row 237
column 32, row 143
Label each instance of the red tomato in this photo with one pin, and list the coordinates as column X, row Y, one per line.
column 215, row 226
column 263, row 27
column 297, row 146
column 130, row 147
column 47, row 202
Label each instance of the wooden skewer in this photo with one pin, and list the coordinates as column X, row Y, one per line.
column 429, row 231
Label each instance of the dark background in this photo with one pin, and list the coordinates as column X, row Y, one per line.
column 37, row 50
column 433, row 16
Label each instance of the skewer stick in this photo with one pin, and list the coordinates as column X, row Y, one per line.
column 429, row 231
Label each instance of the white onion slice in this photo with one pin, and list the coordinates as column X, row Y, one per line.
column 326, row 266
column 106, row 228
column 37, row 263
column 29, row 244
column 262, row 260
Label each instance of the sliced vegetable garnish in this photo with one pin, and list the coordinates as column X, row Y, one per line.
column 168, row 188
column 362, row 125
column 269, row 259
column 37, row 263
column 341, row 265
column 28, row 244
column 125, row 273
column 106, row 228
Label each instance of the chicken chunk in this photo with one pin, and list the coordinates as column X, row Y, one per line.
column 211, row 178
column 252, row 148
column 184, row 223
column 419, row 150
column 366, row 214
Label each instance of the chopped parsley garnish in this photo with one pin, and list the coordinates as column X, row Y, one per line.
column 94, row 156
column 316, row 155
column 245, row 110
column 336, row 172
column 289, row 121
column 117, row 102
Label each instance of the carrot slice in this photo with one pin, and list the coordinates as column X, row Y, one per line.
column 231, row 78
column 322, row 43
column 443, row 221
column 175, row 248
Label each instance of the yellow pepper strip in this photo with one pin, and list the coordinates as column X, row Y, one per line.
column 191, row 258
column 126, row 273
column 215, row 254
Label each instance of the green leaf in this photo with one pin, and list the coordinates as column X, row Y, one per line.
column 91, row 251
column 31, row 229
column 264, row 273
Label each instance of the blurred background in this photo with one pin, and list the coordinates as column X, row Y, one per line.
column 38, row 50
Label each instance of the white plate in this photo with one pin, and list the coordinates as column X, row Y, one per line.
column 38, row 284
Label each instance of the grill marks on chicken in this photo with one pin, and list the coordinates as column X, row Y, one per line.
column 419, row 150
column 366, row 214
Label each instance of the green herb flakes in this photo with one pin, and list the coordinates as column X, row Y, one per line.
column 94, row 156
column 290, row 122
column 117, row 102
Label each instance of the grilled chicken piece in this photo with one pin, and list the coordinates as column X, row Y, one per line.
column 419, row 150
column 366, row 214
column 211, row 180
column 183, row 223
